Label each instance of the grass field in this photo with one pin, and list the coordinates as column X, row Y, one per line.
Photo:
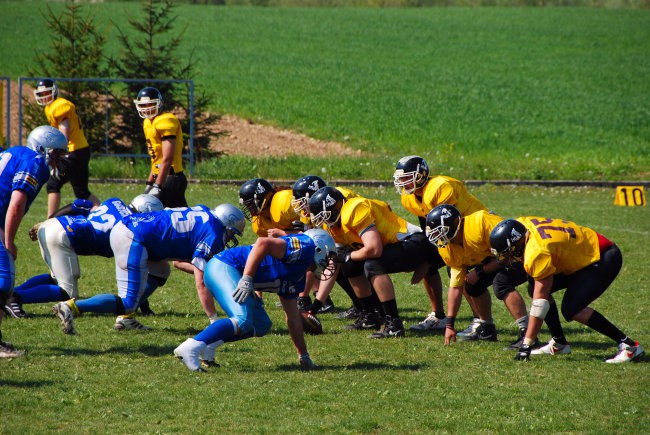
column 102, row 381
column 556, row 93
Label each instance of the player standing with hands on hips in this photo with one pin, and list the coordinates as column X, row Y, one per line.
column 164, row 138
column 62, row 114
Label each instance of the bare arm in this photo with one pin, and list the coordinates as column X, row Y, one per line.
column 168, row 147
column 372, row 246
column 15, row 213
column 294, row 324
column 64, row 127
column 205, row 297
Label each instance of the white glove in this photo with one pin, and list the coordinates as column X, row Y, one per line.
column 155, row 191
column 243, row 290
column 213, row 318
column 148, row 188
column 306, row 363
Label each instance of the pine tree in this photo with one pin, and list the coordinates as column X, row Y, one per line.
column 76, row 50
column 148, row 52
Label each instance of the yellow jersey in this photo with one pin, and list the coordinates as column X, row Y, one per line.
column 557, row 246
column 61, row 109
column 475, row 245
column 442, row 190
column 163, row 126
column 279, row 214
column 360, row 214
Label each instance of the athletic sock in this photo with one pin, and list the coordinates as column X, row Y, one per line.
column 599, row 323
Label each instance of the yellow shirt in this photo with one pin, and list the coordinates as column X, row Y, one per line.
column 557, row 246
column 163, row 126
column 475, row 248
column 442, row 190
column 60, row 110
column 359, row 214
column 279, row 214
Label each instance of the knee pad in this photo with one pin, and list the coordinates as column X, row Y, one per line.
column 373, row 267
column 539, row 308
column 352, row 269
column 475, row 290
column 500, row 290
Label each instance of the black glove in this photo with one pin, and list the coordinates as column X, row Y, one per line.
column 342, row 254
column 524, row 353
column 298, row 226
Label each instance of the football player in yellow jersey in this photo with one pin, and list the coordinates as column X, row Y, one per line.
column 302, row 190
column 378, row 243
column 164, row 137
column 559, row 254
column 463, row 242
column 420, row 193
column 62, row 114
column 268, row 208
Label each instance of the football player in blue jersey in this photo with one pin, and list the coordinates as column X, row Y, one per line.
column 141, row 241
column 80, row 228
column 23, row 171
column 272, row 264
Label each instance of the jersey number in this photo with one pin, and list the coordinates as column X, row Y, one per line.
column 184, row 221
column 542, row 228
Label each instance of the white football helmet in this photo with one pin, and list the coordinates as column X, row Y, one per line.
column 145, row 203
column 233, row 221
column 45, row 92
column 323, row 254
column 148, row 102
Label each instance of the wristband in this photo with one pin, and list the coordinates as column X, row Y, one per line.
column 156, row 185
column 450, row 322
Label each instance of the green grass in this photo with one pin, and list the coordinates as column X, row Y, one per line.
column 555, row 93
column 102, row 381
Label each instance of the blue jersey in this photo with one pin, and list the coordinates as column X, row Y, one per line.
column 21, row 168
column 91, row 235
column 285, row 276
column 185, row 233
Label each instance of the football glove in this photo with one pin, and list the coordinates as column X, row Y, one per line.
column 155, row 191
column 33, row 232
column 342, row 254
column 243, row 290
column 148, row 188
column 524, row 353
column 298, row 226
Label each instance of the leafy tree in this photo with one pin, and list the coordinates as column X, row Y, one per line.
column 75, row 50
column 149, row 52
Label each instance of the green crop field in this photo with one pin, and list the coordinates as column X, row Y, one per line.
column 103, row 381
column 483, row 93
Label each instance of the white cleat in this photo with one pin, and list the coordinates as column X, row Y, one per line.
column 552, row 348
column 627, row 353
column 190, row 352
column 430, row 323
column 64, row 313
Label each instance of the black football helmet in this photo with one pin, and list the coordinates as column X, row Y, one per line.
column 45, row 92
column 411, row 173
column 508, row 241
column 443, row 223
column 302, row 190
column 325, row 206
column 254, row 195
column 148, row 102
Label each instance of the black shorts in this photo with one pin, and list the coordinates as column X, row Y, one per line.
column 173, row 191
column 75, row 171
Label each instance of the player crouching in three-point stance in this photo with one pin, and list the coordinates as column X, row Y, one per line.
column 559, row 254
column 272, row 264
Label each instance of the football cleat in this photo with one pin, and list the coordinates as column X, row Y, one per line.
column 15, row 309
column 145, row 309
column 123, row 323
column 8, row 351
column 189, row 352
column 64, row 313
column 484, row 332
column 393, row 327
column 365, row 320
column 515, row 345
column 430, row 323
column 627, row 353
column 327, row 307
column 552, row 348
column 350, row 313
column 470, row 328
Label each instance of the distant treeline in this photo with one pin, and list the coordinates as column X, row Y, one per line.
column 611, row 4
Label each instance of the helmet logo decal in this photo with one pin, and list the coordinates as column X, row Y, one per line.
column 313, row 186
column 514, row 237
column 329, row 201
